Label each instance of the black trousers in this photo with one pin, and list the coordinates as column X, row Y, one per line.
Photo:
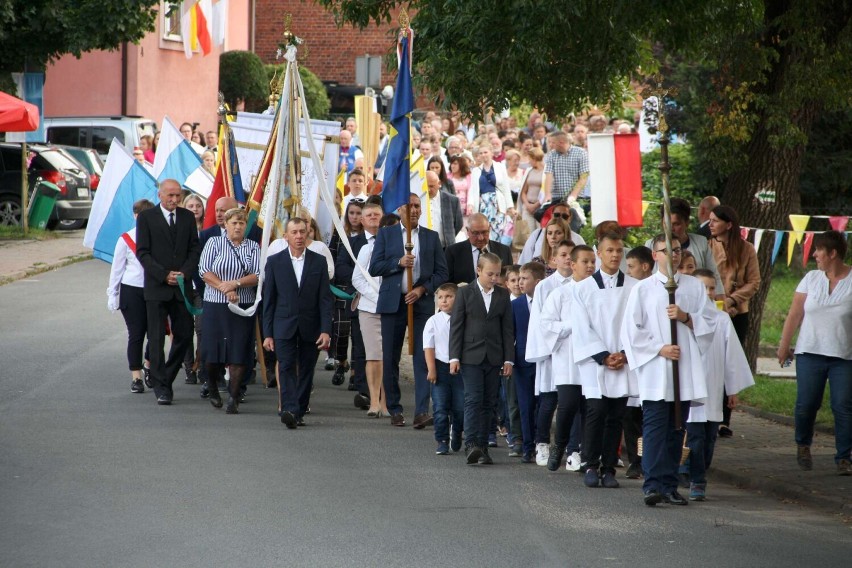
column 740, row 323
column 296, row 361
column 632, row 424
column 359, row 356
column 570, row 401
column 544, row 416
column 135, row 313
column 341, row 327
column 164, row 371
column 603, row 432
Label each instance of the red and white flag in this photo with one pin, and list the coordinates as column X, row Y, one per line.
column 615, row 173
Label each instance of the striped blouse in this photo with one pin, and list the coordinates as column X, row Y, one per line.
column 220, row 257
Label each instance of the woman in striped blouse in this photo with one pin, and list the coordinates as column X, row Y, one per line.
column 230, row 266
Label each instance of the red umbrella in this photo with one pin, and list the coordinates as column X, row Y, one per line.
column 17, row 115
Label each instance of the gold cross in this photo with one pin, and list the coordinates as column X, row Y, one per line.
column 657, row 90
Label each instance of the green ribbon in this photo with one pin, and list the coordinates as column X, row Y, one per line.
column 340, row 293
column 189, row 307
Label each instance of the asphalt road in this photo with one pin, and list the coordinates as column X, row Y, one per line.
column 92, row 475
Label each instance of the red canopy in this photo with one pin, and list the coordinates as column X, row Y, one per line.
column 17, row 115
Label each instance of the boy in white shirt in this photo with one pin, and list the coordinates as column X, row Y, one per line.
column 447, row 389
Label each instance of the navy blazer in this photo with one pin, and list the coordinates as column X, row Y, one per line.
column 389, row 248
column 521, row 317
column 290, row 308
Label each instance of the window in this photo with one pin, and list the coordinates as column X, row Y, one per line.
column 368, row 70
column 67, row 135
column 170, row 20
column 102, row 137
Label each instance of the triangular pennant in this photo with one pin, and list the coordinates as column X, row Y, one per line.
column 758, row 235
column 792, row 239
column 806, row 251
column 838, row 222
column 799, row 224
column 645, row 205
column 744, row 233
column 779, row 236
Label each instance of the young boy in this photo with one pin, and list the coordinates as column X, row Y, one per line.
column 607, row 382
column 508, row 396
column 524, row 372
column 537, row 351
column 447, row 389
column 646, row 338
column 687, row 264
column 640, row 262
column 511, row 274
column 727, row 368
column 556, row 325
column 357, row 183
column 482, row 347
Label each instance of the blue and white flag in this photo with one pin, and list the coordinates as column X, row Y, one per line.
column 124, row 182
column 175, row 159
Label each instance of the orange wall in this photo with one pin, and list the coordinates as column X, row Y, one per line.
column 160, row 79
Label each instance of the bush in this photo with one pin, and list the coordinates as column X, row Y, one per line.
column 243, row 78
column 315, row 94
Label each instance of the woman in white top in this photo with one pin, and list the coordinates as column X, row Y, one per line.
column 489, row 192
column 822, row 306
column 126, row 281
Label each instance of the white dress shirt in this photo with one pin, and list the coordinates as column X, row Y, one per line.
column 609, row 280
column 486, row 296
column 125, row 270
column 369, row 296
column 415, row 239
column 278, row 245
column 436, row 335
column 298, row 265
column 435, row 210
column 166, row 214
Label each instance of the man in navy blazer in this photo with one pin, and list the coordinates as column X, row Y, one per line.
column 297, row 306
column 390, row 261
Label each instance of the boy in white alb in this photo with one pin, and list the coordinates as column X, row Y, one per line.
column 727, row 368
column 447, row 389
column 646, row 338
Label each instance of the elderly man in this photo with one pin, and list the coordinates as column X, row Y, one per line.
column 352, row 127
column 462, row 258
column 349, row 152
column 445, row 216
column 566, row 168
column 704, row 208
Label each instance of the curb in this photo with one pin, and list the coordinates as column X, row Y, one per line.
column 41, row 268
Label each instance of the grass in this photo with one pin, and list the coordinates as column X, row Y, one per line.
column 778, row 396
column 781, row 290
column 17, row 233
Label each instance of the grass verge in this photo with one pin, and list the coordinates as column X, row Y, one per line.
column 17, row 233
column 778, row 396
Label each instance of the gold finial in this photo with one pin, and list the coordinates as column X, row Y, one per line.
column 288, row 20
column 404, row 21
column 657, row 90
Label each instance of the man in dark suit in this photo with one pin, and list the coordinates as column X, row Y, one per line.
column 297, row 305
column 462, row 257
column 390, row 261
column 482, row 346
column 167, row 246
column 447, row 218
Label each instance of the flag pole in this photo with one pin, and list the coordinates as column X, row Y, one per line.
column 404, row 22
column 657, row 123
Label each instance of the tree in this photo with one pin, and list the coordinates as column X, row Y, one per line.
column 315, row 94
column 772, row 67
column 35, row 32
column 242, row 78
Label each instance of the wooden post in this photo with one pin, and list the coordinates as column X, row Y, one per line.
column 409, row 271
column 25, row 194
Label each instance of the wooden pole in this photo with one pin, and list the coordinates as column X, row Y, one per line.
column 25, row 222
column 409, row 271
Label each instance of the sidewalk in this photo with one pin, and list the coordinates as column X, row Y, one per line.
column 22, row 258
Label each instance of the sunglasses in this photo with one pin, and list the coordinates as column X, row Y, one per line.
column 562, row 215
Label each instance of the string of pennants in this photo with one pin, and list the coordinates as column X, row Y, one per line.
column 798, row 235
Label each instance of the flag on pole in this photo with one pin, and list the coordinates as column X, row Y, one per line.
column 195, row 26
column 175, row 159
column 219, row 22
column 397, row 180
column 227, row 182
column 615, row 171
column 124, row 182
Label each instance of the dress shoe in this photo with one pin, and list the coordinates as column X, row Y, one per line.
column 528, row 457
column 146, row 375
column 653, row 497
column 373, row 413
column 674, row 498
column 725, row 432
column 137, row 386
column 485, row 458
column 191, row 375
column 455, row 440
column 634, row 471
column 397, row 420
column 329, row 364
column 339, row 376
column 271, row 379
column 555, row 457
column 164, row 400
column 215, row 399
column 232, row 406
column 420, row 421
column 609, row 481
column 300, row 421
column 362, row 402
column 473, row 455
column 804, row 459
column 205, row 391
column 351, row 386
column 289, row 420
column 591, row 478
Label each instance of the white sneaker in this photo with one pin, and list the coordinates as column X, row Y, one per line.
column 620, row 463
column 542, row 453
column 573, row 462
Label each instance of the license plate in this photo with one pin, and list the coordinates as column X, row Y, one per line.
column 82, row 192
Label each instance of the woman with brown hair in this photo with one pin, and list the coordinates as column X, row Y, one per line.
column 460, row 178
column 555, row 232
column 736, row 261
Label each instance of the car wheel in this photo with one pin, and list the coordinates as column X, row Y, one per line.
column 71, row 224
column 10, row 211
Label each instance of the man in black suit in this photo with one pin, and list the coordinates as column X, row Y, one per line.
column 462, row 257
column 297, row 306
column 167, row 246
column 445, row 210
column 482, row 346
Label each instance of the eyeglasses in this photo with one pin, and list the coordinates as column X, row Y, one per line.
column 478, row 233
column 677, row 250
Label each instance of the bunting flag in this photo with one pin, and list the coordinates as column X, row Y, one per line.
column 806, row 252
column 397, row 176
column 645, row 205
column 615, row 166
column 779, row 236
column 744, row 233
column 838, row 222
column 196, row 21
column 758, row 236
column 799, row 224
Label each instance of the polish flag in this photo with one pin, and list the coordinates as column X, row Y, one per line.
column 615, row 174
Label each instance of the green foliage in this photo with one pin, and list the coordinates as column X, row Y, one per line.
column 315, row 94
column 243, row 78
column 35, row 32
column 682, row 182
column 778, row 396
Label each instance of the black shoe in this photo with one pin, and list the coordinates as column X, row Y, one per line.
column 653, row 497
column 300, row 421
column 191, row 375
column 555, row 459
column 136, row 386
column 231, row 407
column 473, row 455
column 164, row 400
column 339, row 376
column 592, row 478
column 455, row 440
column 634, row 471
column 205, row 391
column 289, row 420
column 725, row 432
column 485, row 459
column 351, row 386
column 528, row 457
column 146, row 376
column 215, row 399
column 362, row 401
column 243, row 395
column 675, row 498
column 608, row 480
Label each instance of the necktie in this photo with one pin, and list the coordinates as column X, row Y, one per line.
column 171, row 220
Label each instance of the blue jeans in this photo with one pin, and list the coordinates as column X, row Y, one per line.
column 393, row 342
column 481, row 383
column 812, row 372
column 701, row 441
column 524, row 378
column 447, row 400
column 662, row 441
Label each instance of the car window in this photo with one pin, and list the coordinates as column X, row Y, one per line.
column 102, row 137
column 57, row 159
column 11, row 161
column 67, row 135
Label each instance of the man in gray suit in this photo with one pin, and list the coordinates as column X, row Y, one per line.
column 446, row 212
column 482, row 346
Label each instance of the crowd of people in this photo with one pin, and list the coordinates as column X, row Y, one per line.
column 206, row 145
column 572, row 339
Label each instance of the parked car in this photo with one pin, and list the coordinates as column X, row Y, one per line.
column 91, row 160
column 97, row 131
column 50, row 164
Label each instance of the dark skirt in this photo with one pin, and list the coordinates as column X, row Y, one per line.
column 228, row 338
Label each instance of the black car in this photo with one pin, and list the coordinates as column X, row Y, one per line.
column 50, row 164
